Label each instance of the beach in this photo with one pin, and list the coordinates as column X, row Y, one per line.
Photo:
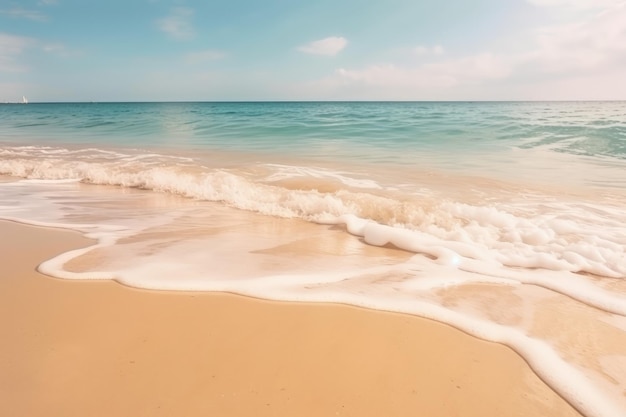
column 373, row 258
column 99, row 348
column 297, row 208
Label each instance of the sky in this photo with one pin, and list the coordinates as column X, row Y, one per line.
column 214, row 50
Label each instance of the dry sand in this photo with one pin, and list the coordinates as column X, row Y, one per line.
column 101, row 349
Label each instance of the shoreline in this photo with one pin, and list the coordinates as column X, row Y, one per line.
column 100, row 348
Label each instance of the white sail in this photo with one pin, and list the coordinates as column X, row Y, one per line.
column 24, row 100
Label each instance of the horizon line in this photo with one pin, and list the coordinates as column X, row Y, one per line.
column 315, row 101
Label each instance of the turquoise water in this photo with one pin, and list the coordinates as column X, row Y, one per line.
column 446, row 135
column 506, row 220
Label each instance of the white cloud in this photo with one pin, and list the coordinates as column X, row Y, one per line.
column 60, row 50
column 11, row 47
column 428, row 78
column 328, row 46
column 589, row 48
column 389, row 75
column 19, row 13
column 595, row 45
column 472, row 68
column 203, row 56
column 376, row 82
column 178, row 24
column 575, row 4
column 429, row 50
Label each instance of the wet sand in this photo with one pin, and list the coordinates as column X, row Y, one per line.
column 73, row 348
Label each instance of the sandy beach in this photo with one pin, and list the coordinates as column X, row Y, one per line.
column 101, row 349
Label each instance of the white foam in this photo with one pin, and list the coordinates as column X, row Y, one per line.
column 282, row 172
column 54, row 266
column 543, row 241
column 59, row 181
column 576, row 238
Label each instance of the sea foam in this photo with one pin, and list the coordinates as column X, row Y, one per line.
column 237, row 228
column 560, row 236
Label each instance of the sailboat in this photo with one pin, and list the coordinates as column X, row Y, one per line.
column 24, row 100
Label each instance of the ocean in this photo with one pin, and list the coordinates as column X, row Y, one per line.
column 506, row 220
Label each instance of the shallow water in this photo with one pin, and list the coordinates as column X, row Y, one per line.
column 505, row 220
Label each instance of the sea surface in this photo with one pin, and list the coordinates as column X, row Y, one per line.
column 506, row 220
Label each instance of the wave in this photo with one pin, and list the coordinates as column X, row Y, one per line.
column 532, row 232
column 572, row 247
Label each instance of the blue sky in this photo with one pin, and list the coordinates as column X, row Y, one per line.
column 161, row 50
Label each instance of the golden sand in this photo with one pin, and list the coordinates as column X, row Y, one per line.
column 101, row 349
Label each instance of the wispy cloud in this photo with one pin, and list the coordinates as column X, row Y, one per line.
column 11, row 47
column 590, row 47
column 178, row 24
column 448, row 73
column 19, row 13
column 60, row 50
column 576, row 4
column 330, row 46
column 429, row 50
column 48, row 2
column 203, row 56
